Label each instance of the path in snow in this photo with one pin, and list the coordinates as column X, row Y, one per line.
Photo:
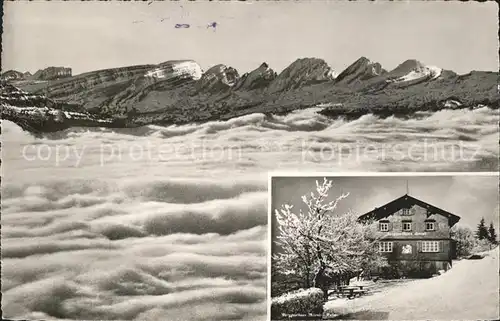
column 469, row 291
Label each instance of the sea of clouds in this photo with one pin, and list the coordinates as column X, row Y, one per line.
column 76, row 249
column 169, row 223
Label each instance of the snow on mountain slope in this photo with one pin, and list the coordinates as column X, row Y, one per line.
column 34, row 111
column 173, row 69
column 426, row 72
column 469, row 291
column 435, row 71
column 412, row 70
column 331, row 74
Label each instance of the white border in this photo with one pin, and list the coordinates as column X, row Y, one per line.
column 338, row 174
column 269, row 246
column 374, row 174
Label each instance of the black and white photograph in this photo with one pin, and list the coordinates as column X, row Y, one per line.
column 384, row 247
column 137, row 137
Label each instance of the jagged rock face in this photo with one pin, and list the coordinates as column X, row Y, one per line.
column 302, row 72
column 12, row 96
column 362, row 69
column 52, row 73
column 220, row 94
column 12, row 75
column 118, row 79
column 26, row 109
column 101, row 89
column 66, row 88
column 37, row 113
column 218, row 78
column 258, row 78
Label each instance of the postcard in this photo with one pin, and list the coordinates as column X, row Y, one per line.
column 137, row 137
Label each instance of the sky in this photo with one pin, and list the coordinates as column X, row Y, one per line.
column 91, row 35
column 470, row 197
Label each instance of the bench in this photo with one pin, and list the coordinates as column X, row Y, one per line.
column 353, row 293
column 357, row 286
column 349, row 292
column 351, row 287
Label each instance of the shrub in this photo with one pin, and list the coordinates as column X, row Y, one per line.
column 482, row 246
column 303, row 302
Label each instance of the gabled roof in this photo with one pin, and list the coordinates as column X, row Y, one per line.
column 403, row 201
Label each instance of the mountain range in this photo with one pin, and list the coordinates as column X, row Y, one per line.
column 50, row 73
column 179, row 91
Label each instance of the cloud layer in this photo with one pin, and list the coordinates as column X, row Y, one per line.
column 101, row 250
column 99, row 233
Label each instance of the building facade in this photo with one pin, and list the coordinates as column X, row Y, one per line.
column 414, row 236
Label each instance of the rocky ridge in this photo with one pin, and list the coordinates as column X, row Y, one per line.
column 361, row 70
column 37, row 113
column 179, row 91
column 12, row 75
column 52, row 73
column 218, row 78
column 302, row 72
column 49, row 73
column 256, row 79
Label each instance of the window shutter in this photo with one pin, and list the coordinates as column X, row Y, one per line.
column 390, row 226
column 441, row 246
column 419, row 246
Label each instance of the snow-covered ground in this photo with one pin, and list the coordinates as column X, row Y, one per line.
column 452, row 103
column 469, row 291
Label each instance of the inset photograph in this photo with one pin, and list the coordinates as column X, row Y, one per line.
column 392, row 246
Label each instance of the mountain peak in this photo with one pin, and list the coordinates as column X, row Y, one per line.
column 52, row 73
column 361, row 69
column 407, row 65
column 302, row 72
column 412, row 70
column 258, row 78
column 221, row 94
column 218, row 78
column 363, row 60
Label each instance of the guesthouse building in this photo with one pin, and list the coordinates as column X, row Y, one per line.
column 414, row 236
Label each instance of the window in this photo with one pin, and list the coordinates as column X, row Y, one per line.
column 430, row 246
column 384, row 226
column 429, row 226
column 385, row 246
column 406, row 226
column 405, row 211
